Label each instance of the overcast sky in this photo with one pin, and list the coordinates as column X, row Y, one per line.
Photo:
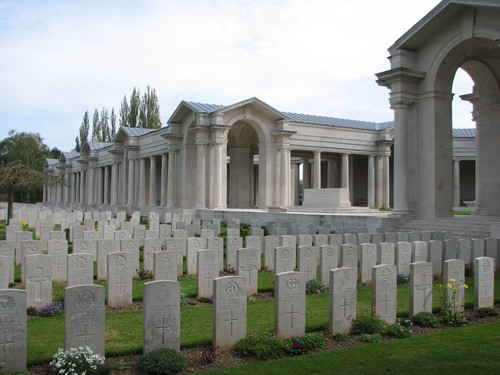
column 60, row 58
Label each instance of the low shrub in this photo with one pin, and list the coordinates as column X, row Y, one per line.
column 425, row 319
column 315, row 286
column 184, row 299
column 398, row 331
column 145, row 275
column 372, row 338
column 487, row 311
column 368, row 325
column 340, row 337
column 270, row 346
column 162, row 362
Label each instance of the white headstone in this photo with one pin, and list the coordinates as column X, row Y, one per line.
column 306, row 261
column 39, row 279
column 7, row 250
column 384, row 290
column 217, row 243
column 368, row 259
column 403, row 258
column 104, row 247
column 290, row 304
column 13, row 325
column 179, row 246
column 165, row 265
column 464, row 250
column 484, row 282
column 419, row 252
column 343, row 283
column 208, row 269
column 229, row 312
column 120, row 266
column 193, row 245
column 454, row 274
column 151, row 245
column 420, row 287
column 233, row 244
column 59, row 251
column 284, row 259
column 386, row 253
column 436, row 256
column 247, row 265
column 328, row 260
column 349, row 256
column 80, row 269
column 162, row 319
column 84, row 317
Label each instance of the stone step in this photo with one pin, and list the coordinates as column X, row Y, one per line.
column 458, row 227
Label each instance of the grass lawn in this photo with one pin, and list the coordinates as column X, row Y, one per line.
column 463, row 350
column 124, row 328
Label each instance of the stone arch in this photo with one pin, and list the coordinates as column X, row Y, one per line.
column 244, row 138
column 424, row 62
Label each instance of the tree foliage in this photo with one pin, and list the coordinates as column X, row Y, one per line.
column 149, row 111
column 22, row 158
column 84, row 132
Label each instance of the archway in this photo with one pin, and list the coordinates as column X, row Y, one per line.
column 423, row 64
column 243, row 167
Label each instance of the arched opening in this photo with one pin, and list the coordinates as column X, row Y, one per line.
column 243, row 166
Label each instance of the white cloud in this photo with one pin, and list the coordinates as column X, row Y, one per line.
column 61, row 58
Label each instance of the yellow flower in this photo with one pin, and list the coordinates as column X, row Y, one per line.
column 23, row 222
column 449, row 286
column 466, row 286
column 452, row 280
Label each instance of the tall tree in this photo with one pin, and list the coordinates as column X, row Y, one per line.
column 96, row 126
column 124, row 112
column 135, row 103
column 84, row 131
column 105, row 135
column 149, row 114
column 22, row 157
column 113, row 124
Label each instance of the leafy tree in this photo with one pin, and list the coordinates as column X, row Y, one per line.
column 149, row 113
column 56, row 153
column 105, row 135
column 113, row 124
column 96, row 126
column 84, row 132
column 124, row 112
column 135, row 104
column 22, row 157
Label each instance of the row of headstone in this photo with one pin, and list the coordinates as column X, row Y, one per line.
column 84, row 319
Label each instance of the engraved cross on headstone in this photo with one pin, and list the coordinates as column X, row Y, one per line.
column 386, row 302
column 424, row 287
column 345, row 306
column 3, row 343
column 120, row 284
column 231, row 320
column 85, row 334
column 164, row 327
column 292, row 313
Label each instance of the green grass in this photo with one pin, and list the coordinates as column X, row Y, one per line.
column 463, row 350
column 124, row 328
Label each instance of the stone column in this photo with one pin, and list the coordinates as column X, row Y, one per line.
column 106, row 193
column 401, row 206
column 345, row 171
column 296, row 177
column 100, row 184
column 131, row 182
column 285, row 177
column 218, row 165
column 331, row 173
column 82, row 186
column 200, row 173
column 114, row 184
column 171, row 179
column 90, row 186
column 378, row 182
column 306, row 172
column 385, row 181
column 456, row 183
column 67, row 188
column 371, row 181
column 163, row 182
column 152, row 181
column 142, row 182
column 317, row 170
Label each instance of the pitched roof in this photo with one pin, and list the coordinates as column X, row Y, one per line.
column 94, row 145
column 464, row 133
column 136, row 132
column 334, row 121
column 70, row 154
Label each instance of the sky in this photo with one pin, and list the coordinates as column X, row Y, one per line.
column 60, row 58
